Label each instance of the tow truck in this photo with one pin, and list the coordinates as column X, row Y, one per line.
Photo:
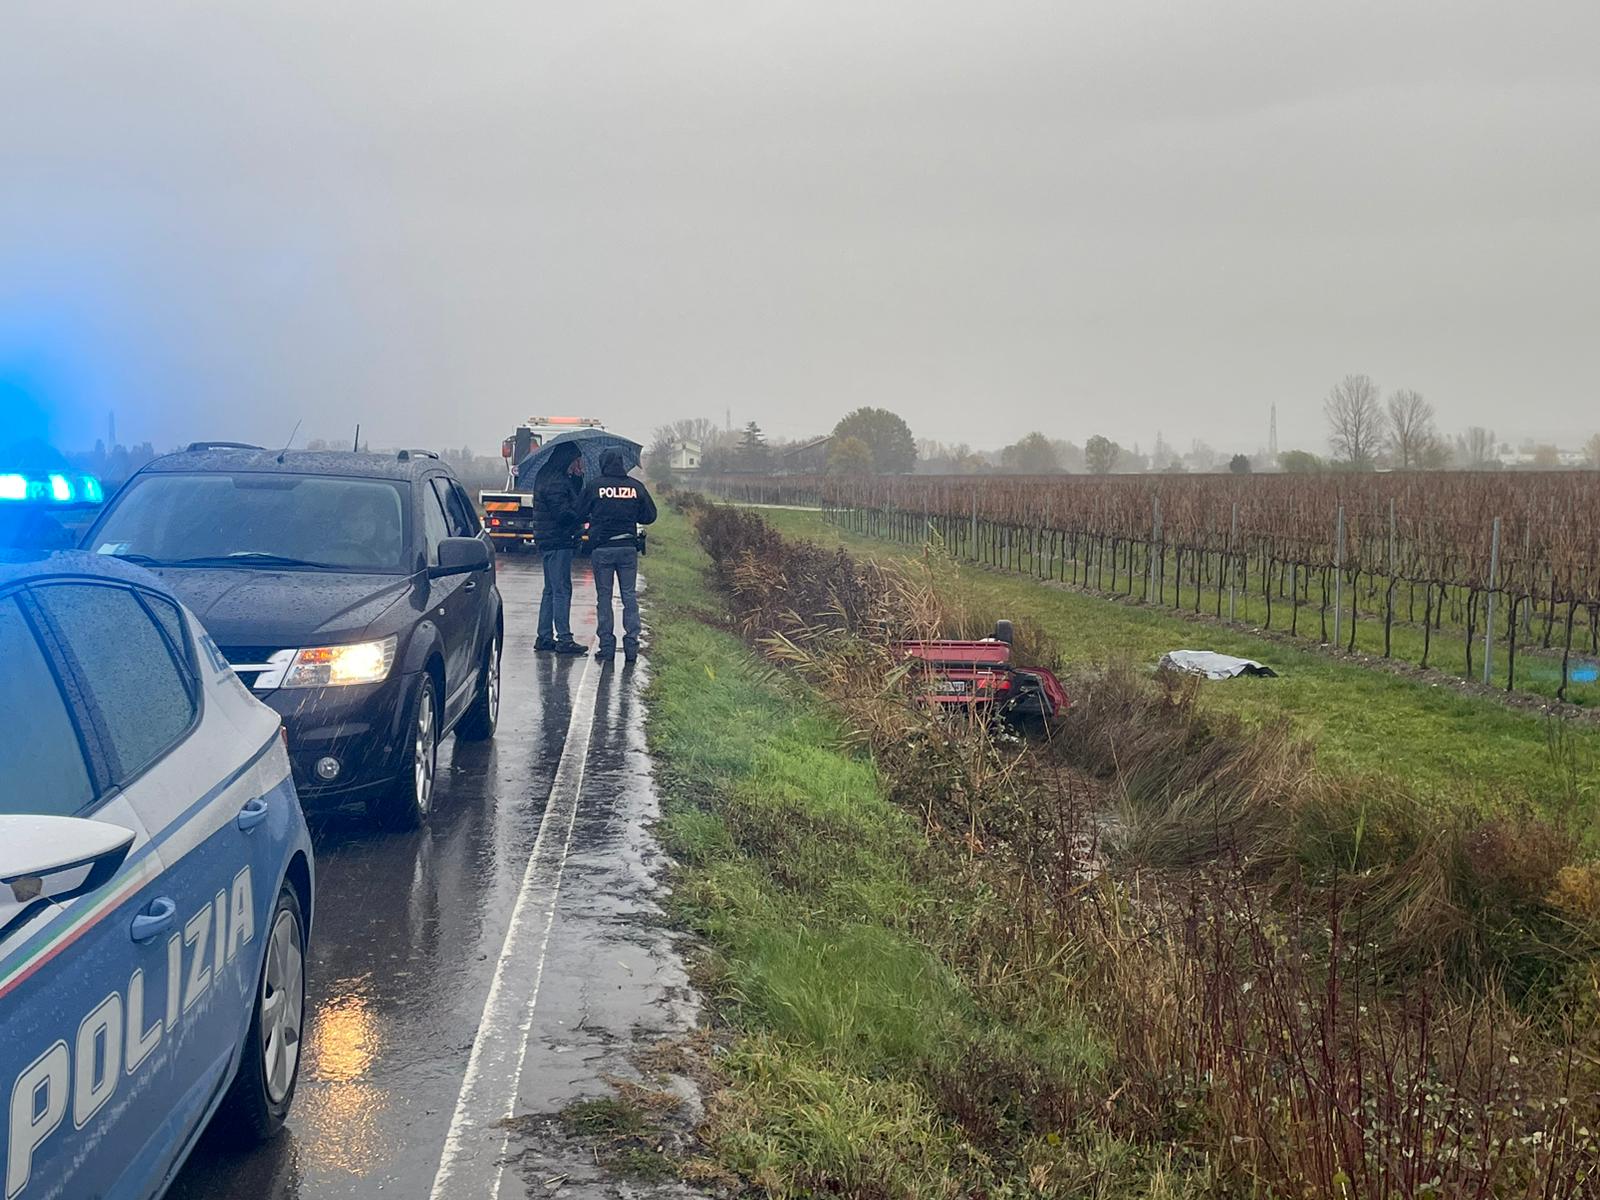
column 509, row 513
column 978, row 676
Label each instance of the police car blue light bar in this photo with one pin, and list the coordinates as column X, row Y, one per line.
column 55, row 489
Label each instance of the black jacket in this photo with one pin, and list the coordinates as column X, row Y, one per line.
column 616, row 504
column 556, row 523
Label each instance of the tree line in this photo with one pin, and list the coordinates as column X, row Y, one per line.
column 1366, row 431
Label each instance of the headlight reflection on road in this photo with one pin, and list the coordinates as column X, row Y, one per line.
column 338, row 1113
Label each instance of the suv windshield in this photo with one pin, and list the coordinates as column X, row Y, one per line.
column 256, row 519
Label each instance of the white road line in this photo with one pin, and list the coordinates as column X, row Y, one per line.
column 473, row 1159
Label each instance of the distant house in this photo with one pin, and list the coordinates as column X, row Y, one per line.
column 808, row 459
column 685, row 455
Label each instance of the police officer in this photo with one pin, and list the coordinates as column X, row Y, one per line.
column 615, row 505
column 556, row 526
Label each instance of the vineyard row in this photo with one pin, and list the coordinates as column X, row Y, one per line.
column 1498, row 585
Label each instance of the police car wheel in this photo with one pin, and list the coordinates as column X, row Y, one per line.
column 480, row 720
column 410, row 799
column 269, row 1067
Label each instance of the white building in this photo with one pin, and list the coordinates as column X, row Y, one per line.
column 685, row 455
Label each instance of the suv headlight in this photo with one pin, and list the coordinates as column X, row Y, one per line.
column 335, row 666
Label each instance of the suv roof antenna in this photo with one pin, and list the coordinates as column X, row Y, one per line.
column 356, row 448
column 289, row 443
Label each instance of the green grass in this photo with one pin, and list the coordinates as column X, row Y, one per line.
column 626, row 1137
column 1431, row 738
column 908, row 1021
column 834, row 932
column 604, row 1117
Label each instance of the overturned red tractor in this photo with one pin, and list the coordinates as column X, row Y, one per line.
column 980, row 677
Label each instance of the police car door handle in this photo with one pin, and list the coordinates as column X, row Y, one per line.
column 253, row 813
column 470, row 585
column 155, row 920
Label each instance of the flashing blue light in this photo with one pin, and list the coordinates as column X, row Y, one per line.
column 75, row 491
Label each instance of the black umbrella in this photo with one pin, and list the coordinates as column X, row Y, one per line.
column 559, row 451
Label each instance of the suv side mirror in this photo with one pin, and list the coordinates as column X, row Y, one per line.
column 47, row 860
column 460, row 556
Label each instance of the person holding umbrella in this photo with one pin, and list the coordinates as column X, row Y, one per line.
column 558, row 488
column 615, row 505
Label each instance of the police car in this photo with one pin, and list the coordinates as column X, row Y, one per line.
column 43, row 508
column 155, row 887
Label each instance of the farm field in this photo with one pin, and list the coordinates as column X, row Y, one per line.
column 1417, row 732
column 1435, row 570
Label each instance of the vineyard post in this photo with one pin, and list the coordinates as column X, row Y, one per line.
column 1511, row 643
column 1566, row 652
column 1388, row 596
column 974, row 523
column 1233, row 537
column 1338, row 579
column 1527, row 557
column 1488, row 612
column 1155, row 539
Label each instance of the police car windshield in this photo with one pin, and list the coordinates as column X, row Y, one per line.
column 257, row 520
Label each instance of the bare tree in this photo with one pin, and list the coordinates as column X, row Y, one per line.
column 1591, row 450
column 1434, row 453
column 1410, row 421
column 695, row 429
column 1354, row 422
column 1475, row 448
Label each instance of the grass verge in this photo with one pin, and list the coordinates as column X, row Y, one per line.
column 932, row 1001
column 833, row 928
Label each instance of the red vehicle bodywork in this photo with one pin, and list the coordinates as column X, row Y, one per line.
column 980, row 674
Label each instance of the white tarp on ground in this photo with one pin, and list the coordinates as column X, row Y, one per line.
column 1212, row 665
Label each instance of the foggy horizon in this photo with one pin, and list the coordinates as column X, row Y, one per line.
column 1124, row 219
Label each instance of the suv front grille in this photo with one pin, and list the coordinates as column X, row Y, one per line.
column 242, row 657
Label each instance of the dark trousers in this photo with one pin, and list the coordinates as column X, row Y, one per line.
column 622, row 564
column 555, row 603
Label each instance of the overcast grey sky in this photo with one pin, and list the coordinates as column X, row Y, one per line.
column 1111, row 216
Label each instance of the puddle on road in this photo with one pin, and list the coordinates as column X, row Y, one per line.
column 606, row 1108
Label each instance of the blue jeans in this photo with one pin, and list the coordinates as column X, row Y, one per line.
column 555, row 603
column 622, row 564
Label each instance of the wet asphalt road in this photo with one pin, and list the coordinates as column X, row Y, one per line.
column 550, row 944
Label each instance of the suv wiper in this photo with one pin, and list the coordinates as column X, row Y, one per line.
column 141, row 560
column 251, row 556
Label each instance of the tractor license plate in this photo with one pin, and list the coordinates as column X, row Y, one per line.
column 959, row 687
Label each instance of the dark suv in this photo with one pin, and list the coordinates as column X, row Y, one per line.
column 354, row 593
